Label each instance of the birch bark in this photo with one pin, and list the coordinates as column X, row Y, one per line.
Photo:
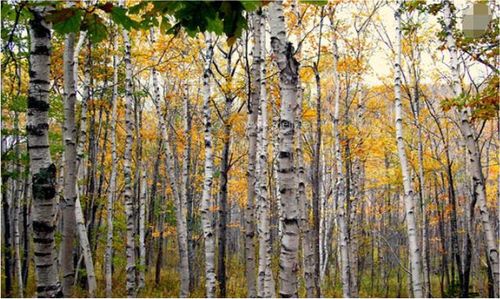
column 288, row 67
column 468, row 133
column 409, row 200
column 18, row 189
column 266, row 285
column 42, row 169
column 206, row 214
column 80, row 169
column 108, row 258
column 69, row 191
column 305, row 229
column 341, row 188
column 252, row 153
column 127, row 171
column 142, row 228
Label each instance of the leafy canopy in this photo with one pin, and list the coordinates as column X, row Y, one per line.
column 219, row 17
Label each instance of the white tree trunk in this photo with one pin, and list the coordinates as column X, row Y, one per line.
column 84, row 243
column 253, row 104
column 468, row 132
column 305, row 230
column 283, row 54
column 108, row 258
column 142, row 228
column 186, row 173
column 206, row 214
column 69, row 191
column 266, row 285
column 341, row 188
column 127, row 172
column 409, row 200
column 18, row 189
column 80, row 221
column 353, row 228
column 42, row 169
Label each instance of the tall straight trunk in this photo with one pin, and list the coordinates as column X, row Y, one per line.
column 422, row 194
column 108, row 258
column 186, row 182
column 174, row 185
column 468, row 133
column 206, row 214
column 288, row 67
column 156, row 95
column 253, row 104
column 354, row 175
column 276, row 207
column 18, row 189
column 6, row 227
column 469, row 225
column 43, row 171
column 142, row 227
column 224, row 178
column 80, row 169
column 409, row 200
column 159, row 257
column 341, row 187
column 224, row 169
column 127, row 171
column 27, row 228
column 266, row 285
column 69, row 191
column 153, row 204
column 316, row 171
column 181, row 222
column 305, row 229
column 305, row 226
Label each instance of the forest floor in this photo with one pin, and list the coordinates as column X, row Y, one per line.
column 392, row 287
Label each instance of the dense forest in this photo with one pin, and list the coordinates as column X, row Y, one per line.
column 250, row 148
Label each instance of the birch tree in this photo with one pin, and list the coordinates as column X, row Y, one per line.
column 206, row 214
column 142, row 227
column 468, row 133
column 253, row 104
column 305, row 229
column 127, row 172
column 108, row 258
column 409, row 200
column 340, row 185
column 43, row 171
column 288, row 76
column 68, row 204
column 316, row 167
column 80, row 169
column 265, row 286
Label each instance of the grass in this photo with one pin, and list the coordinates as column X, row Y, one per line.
column 236, row 282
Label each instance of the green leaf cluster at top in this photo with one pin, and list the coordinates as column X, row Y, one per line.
column 219, row 17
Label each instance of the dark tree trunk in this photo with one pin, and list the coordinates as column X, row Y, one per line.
column 221, row 253
column 7, row 265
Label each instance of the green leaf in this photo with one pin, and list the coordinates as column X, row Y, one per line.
column 8, row 12
column 215, row 25
column 315, row 2
column 250, row 5
column 165, row 25
column 138, row 7
column 119, row 16
column 97, row 32
column 71, row 24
